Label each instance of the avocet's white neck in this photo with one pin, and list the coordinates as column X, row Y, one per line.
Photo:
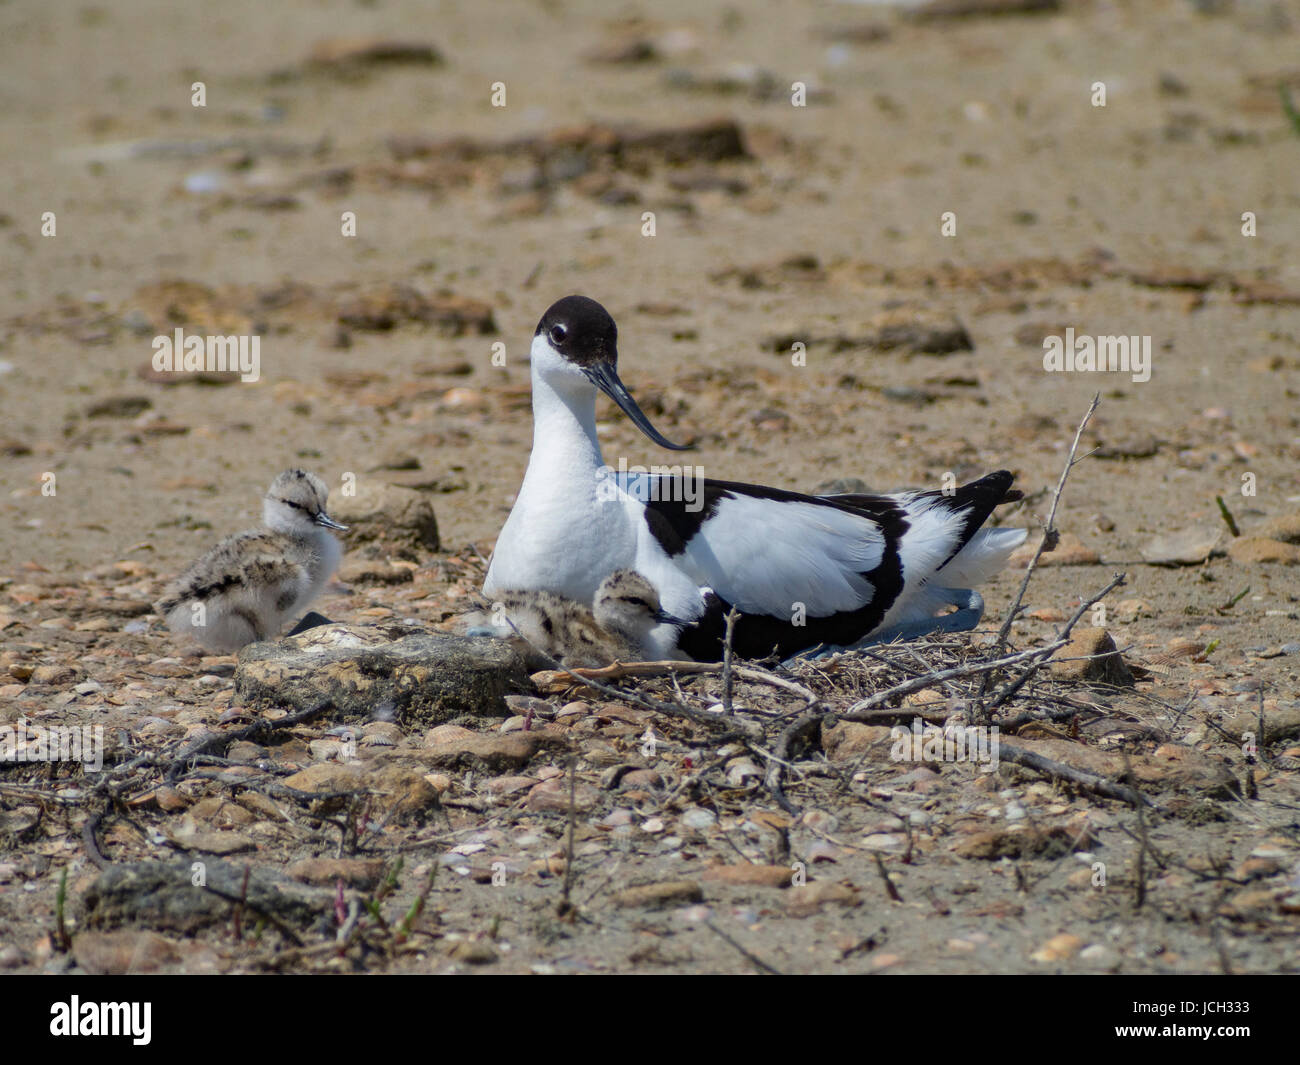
column 564, row 425
column 561, row 497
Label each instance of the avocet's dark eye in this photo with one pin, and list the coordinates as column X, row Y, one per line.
column 558, row 333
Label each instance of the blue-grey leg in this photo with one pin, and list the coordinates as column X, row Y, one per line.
column 970, row 609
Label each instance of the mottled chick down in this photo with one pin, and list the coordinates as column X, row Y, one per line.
column 250, row 584
column 616, row 628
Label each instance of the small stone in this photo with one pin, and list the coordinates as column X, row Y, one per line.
column 1253, row 904
column 746, row 875
column 1258, row 868
column 122, row 952
column 819, row 820
column 920, row 779
column 1285, row 528
column 169, row 800
column 325, row 777
column 388, row 515
column 325, row 750
column 1097, row 659
column 525, row 705
column 698, row 818
column 741, row 770
column 1098, row 954
column 381, row 734
column 219, row 843
column 553, row 796
column 820, row 850
column 503, row 786
column 402, row 794
column 1007, row 842
column 1278, row 725
column 850, row 739
column 493, row 752
column 808, row 899
column 1059, row 948
column 360, row 873
column 161, row 894
column 1069, row 551
column 1260, row 550
column 119, row 407
column 654, row 896
column 425, row 678
column 473, row 952
column 1186, row 547
column 348, row 52
column 262, row 806
column 246, row 753
column 914, row 330
column 1132, row 609
column 53, row 674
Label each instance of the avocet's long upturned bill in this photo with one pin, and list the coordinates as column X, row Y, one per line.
column 804, row 571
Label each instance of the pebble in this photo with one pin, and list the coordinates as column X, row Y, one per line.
column 742, row 770
column 1285, row 528
column 1062, row 947
column 1186, row 547
column 819, row 820
column 1070, row 551
column 808, row 899
column 882, row 841
column 1260, row 550
column 698, row 818
column 654, row 896
column 553, row 796
column 747, row 875
column 53, row 674
column 508, row 785
column 473, row 952
column 123, row 951
column 1095, row 658
column 819, row 850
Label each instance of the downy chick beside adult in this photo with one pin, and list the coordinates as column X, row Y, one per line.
column 250, row 584
column 617, row 627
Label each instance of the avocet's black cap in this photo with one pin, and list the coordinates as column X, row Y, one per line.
column 581, row 331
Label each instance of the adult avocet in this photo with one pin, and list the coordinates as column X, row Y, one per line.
column 804, row 571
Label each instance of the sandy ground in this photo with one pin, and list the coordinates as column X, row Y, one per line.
column 1122, row 219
